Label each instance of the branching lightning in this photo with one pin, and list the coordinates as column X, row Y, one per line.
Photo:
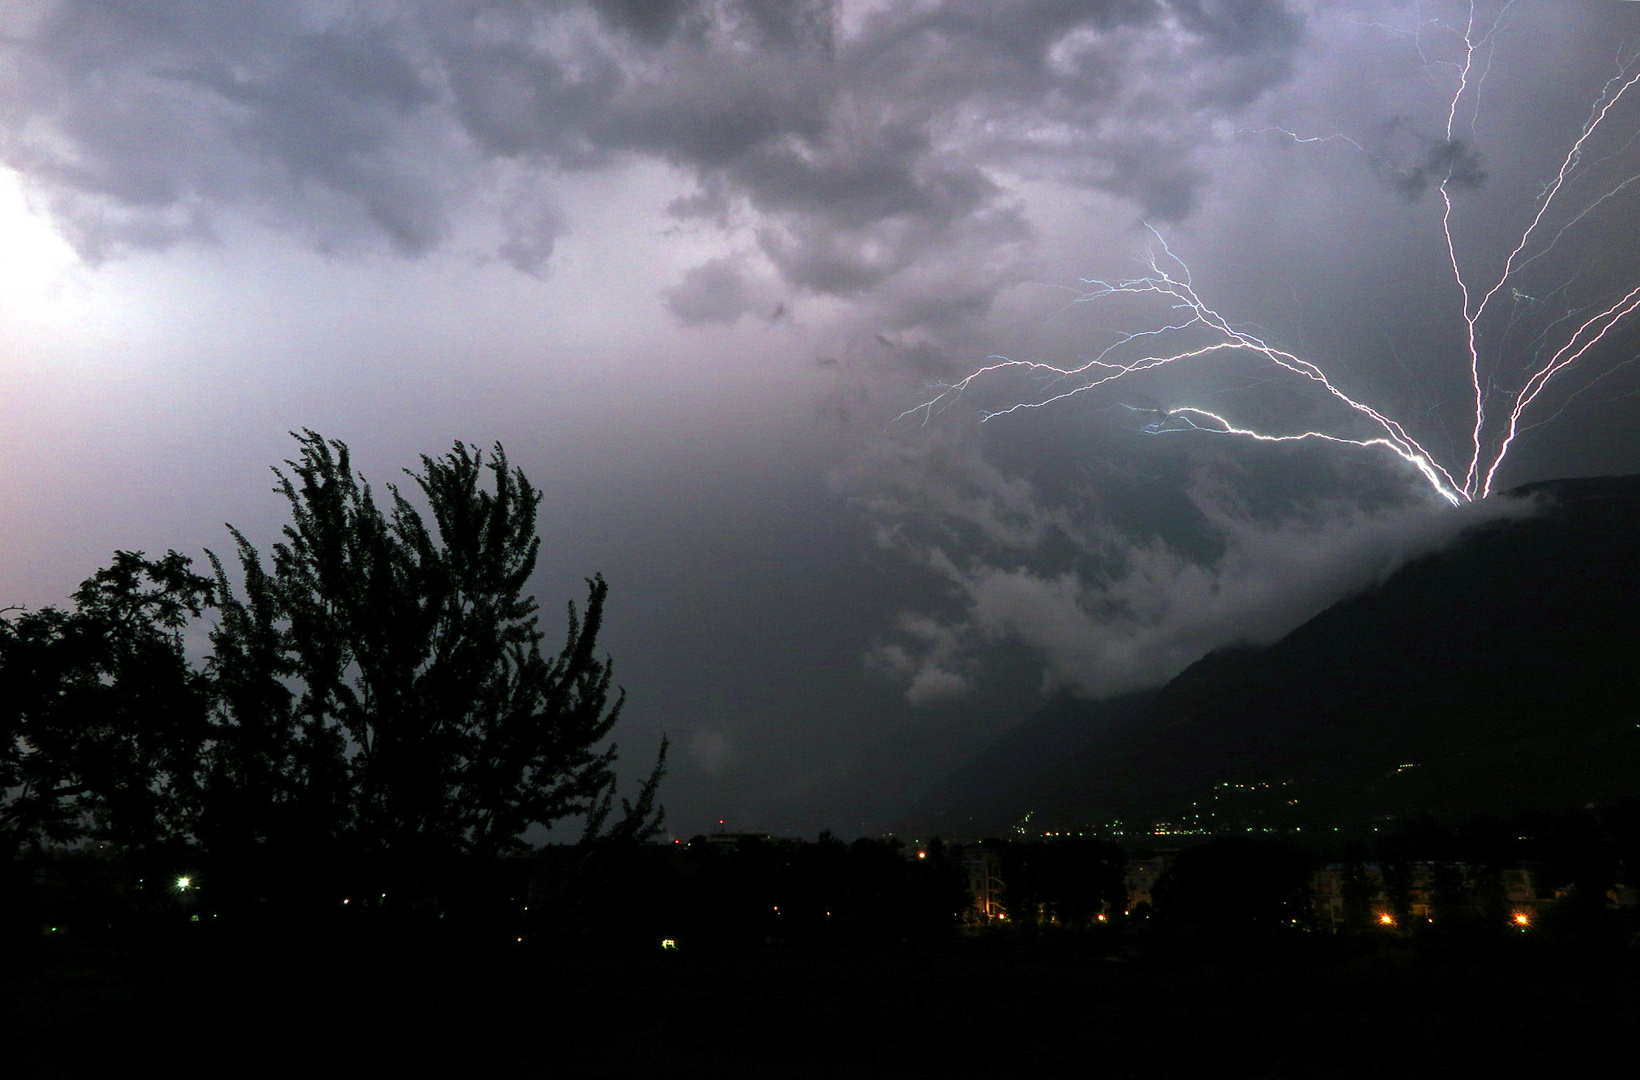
column 1503, row 396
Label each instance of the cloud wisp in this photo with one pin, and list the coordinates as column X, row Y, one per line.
column 1107, row 609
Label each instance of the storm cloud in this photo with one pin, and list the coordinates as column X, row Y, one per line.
column 698, row 263
column 852, row 144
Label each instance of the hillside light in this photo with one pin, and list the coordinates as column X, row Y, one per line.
column 184, row 883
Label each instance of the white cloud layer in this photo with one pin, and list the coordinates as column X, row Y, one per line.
column 1107, row 610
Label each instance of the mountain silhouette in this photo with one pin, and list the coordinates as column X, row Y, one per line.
column 1499, row 674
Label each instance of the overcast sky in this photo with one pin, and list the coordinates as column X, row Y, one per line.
column 689, row 261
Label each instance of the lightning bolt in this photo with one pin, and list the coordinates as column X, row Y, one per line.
column 1168, row 278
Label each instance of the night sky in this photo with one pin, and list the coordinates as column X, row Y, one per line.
column 691, row 260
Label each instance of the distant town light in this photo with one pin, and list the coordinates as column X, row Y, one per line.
column 184, row 883
column 1387, row 919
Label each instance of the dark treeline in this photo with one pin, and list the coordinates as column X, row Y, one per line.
column 1569, row 876
column 1067, row 882
column 732, row 957
column 1570, row 870
column 372, row 714
column 750, row 894
column 747, row 894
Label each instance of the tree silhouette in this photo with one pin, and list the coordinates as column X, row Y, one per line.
column 383, row 692
column 376, row 710
column 102, row 718
column 1236, row 887
column 102, row 725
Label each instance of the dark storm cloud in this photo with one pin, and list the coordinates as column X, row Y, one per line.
column 139, row 120
column 719, row 191
column 649, row 21
column 1455, row 163
column 532, row 223
column 719, row 291
column 853, row 152
column 1252, row 28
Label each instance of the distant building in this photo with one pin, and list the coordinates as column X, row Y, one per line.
column 984, row 869
column 1141, row 878
column 735, row 839
column 1327, row 897
column 1518, row 888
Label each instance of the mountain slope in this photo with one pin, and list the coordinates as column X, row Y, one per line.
column 1504, row 668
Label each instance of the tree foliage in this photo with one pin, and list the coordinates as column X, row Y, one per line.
column 1237, row 886
column 377, row 694
column 102, row 718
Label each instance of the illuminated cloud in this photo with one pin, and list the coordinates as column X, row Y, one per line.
column 855, row 143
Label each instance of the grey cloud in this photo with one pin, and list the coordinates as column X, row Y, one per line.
column 793, row 24
column 812, row 256
column 711, row 201
column 650, row 21
column 1164, row 186
column 514, row 100
column 861, row 219
column 532, row 223
column 933, row 491
column 933, row 667
column 1245, row 27
column 142, row 118
column 718, row 291
column 708, row 118
column 779, row 24
column 967, row 50
column 852, row 156
column 1457, row 163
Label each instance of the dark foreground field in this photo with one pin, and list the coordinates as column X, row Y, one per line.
column 975, row 1007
